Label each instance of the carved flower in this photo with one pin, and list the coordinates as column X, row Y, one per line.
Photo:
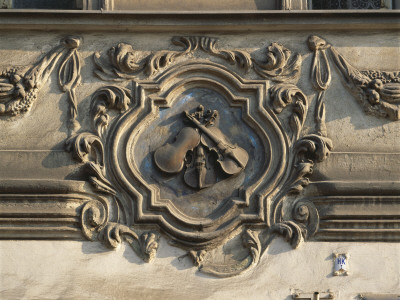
column 123, row 59
column 11, row 87
column 373, row 96
column 376, row 84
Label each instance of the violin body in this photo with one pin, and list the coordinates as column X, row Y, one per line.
column 170, row 158
column 197, row 174
column 231, row 158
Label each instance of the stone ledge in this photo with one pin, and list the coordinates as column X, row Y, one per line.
column 232, row 21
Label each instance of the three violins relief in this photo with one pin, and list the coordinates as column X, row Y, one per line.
column 194, row 147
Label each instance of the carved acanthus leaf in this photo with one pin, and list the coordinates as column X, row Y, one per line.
column 149, row 242
column 96, row 226
column 124, row 64
column 308, row 150
column 88, row 149
column 197, row 257
column 290, row 230
column 285, row 94
column 313, row 147
column 209, row 45
column 145, row 246
column 280, row 64
column 105, row 98
column 299, row 179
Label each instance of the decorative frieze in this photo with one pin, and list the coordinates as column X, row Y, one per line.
column 203, row 151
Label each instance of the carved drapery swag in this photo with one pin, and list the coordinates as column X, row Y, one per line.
column 188, row 146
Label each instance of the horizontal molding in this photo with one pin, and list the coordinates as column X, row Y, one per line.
column 162, row 21
column 42, row 209
column 358, row 218
column 358, row 166
column 357, row 236
column 42, row 186
column 41, row 232
column 353, row 187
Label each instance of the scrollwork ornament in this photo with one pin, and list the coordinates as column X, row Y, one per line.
column 306, row 214
column 94, row 216
column 284, row 94
column 280, row 64
column 290, row 230
column 96, row 226
column 125, row 63
column 105, row 98
column 308, row 150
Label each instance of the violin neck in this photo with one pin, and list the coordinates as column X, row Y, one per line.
column 207, row 131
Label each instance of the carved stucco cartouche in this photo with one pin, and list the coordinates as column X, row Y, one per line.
column 235, row 151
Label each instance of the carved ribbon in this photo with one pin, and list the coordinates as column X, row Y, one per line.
column 320, row 70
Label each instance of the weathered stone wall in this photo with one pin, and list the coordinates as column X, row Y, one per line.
column 85, row 270
column 340, row 195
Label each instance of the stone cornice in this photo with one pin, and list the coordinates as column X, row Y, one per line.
column 227, row 21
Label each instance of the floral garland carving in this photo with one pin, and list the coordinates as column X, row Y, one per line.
column 378, row 92
column 18, row 89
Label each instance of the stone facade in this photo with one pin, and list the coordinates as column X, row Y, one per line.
column 145, row 155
